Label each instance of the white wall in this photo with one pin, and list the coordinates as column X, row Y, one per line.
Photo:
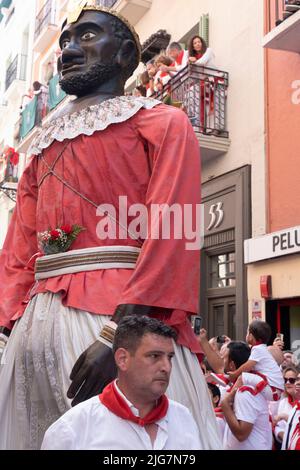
column 236, row 31
column 11, row 37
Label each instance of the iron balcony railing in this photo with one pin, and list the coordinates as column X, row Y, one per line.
column 279, row 10
column 16, row 70
column 202, row 93
column 44, row 18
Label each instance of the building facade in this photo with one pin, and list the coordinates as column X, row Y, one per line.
column 16, row 33
column 234, row 163
column 274, row 259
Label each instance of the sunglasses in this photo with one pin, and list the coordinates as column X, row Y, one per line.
column 290, row 380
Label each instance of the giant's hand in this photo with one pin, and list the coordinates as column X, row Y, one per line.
column 94, row 369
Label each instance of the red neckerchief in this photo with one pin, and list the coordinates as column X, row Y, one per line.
column 198, row 55
column 117, row 405
column 258, row 343
column 180, row 58
column 292, row 401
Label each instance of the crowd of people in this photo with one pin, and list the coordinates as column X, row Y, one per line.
column 255, row 389
column 200, row 93
column 160, row 70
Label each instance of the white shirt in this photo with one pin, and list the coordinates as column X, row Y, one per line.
column 207, row 60
column 284, row 408
column 266, row 365
column 291, row 437
column 91, row 426
column 251, row 409
column 179, row 67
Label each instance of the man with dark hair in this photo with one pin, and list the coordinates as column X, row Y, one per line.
column 132, row 412
column 246, row 412
column 100, row 146
column 238, row 354
column 131, row 330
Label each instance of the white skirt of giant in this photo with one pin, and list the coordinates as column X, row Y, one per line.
column 34, row 374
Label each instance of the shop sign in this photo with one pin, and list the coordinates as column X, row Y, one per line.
column 285, row 242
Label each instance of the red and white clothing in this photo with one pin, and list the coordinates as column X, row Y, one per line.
column 207, row 59
column 119, row 147
column 162, row 77
column 266, row 365
column 251, row 409
column 181, row 61
column 291, row 438
column 92, row 426
column 284, row 408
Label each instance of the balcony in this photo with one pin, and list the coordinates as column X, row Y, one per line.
column 15, row 77
column 46, row 28
column 283, row 25
column 202, row 94
column 37, row 111
column 9, row 166
column 133, row 10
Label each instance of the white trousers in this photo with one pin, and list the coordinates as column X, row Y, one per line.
column 34, row 377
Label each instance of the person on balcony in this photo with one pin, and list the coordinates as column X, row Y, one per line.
column 139, row 90
column 206, row 95
column 179, row 56
column 41, row 91
column 161, row 76
column 65, row 309
column 26, row 98
column 199, row 53
column 147, row 83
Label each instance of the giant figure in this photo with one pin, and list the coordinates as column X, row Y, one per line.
column 62, row 309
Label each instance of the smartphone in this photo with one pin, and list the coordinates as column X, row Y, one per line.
column 197, row 325
column 280, row 336
column 221, row 339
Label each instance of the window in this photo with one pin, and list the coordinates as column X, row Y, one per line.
column 222, row 271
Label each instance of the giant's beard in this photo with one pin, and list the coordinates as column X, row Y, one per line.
column 82, row 83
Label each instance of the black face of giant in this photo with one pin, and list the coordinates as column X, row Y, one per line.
column 89, row 48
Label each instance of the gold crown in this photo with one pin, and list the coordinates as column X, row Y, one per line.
column 90, row 6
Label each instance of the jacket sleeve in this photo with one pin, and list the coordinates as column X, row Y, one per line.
column 16, row 278
column 168, row 268
column 207, row 58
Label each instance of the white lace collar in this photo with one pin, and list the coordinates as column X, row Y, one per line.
column 88, row 120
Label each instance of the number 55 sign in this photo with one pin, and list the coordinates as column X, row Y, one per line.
column 216, row 213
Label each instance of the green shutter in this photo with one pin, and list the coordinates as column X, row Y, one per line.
column 56, row 94
column 204, row 27
column 5, row 3
column 28, row 117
